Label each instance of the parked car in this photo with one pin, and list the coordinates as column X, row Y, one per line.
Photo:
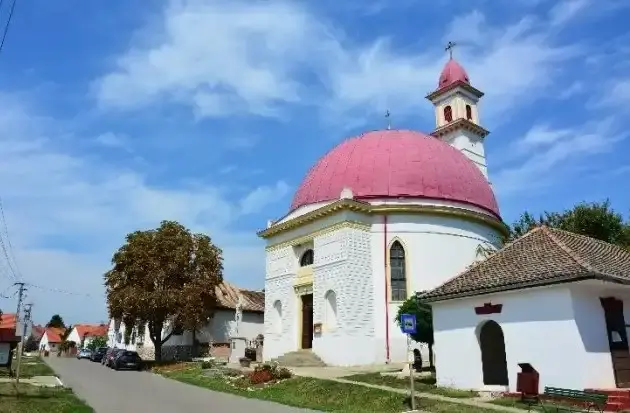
column 112, row 357
column 84, row 354
column 129, row 360
column 107, row 355
column 98, row 354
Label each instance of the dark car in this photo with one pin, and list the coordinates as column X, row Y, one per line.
column 98, row 354
column 111, row 356
column 106, row 355
column 128, row 360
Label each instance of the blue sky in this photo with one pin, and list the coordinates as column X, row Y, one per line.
column 116, row 116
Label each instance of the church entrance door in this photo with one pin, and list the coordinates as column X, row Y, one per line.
column 493, row 358
column 617, row 340
column 307, row 321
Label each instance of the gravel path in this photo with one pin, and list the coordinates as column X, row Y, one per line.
column 110, row 391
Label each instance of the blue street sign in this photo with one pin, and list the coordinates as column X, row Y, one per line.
column 408, row 323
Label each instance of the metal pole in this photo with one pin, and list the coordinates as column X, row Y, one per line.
column 411, row 381
column 17, row 320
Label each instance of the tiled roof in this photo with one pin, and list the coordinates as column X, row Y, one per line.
column 542, row 256
column 91, row 329
column 37, row 331
column 54, row 334
column 227, row 295
column 7, row 320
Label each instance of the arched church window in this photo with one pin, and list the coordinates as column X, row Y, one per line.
column 330, row 309
column 307, row 258
column 468, row 112
column 397, row 272
column 448, row 113
column 277, row 317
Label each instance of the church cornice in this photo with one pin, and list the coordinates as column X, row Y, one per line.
column 466, row 86
column 460, row 123
column 369, row 209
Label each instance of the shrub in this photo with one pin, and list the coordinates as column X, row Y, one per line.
column 260, row 376
column 272, row 370
column 207, row 364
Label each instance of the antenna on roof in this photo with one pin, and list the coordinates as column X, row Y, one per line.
column 389, row 120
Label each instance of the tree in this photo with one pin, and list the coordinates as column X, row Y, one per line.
column 424, row 322
column 596, row 219
column 164, row 276
column 97, row 342
column 56, row 322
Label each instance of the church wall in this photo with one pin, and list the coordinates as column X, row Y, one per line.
column 280, row 277
column 437, row 248
column 343, row 265
column 539, row 328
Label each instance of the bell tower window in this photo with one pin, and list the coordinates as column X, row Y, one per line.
column 448, row 113
column 468, row 112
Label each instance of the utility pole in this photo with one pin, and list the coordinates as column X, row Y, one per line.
column 17, row 321
column 27, row 320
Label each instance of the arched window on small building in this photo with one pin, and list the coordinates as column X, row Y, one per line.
column 397, row 272
column 307, row 258
column 448, row 113
column 330, row 310
column 468, row 112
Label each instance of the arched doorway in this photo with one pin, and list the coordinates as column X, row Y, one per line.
column 493, row 358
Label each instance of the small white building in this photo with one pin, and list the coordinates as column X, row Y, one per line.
column 381, row 216
column 240, row 313
column 51, row 339
column 83, row 334
column 553, row 299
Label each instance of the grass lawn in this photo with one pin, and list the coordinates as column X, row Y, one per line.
column 424, row 384
column 516, row 402
column 31, row 366
column 324, row 395
column 31, row 399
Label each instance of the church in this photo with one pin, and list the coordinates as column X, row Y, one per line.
column 381, row 216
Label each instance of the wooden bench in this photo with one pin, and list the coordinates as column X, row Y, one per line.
column 586, row 400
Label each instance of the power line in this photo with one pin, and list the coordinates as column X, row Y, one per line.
column 10, row 249
column 6, row 28
column 60, row 291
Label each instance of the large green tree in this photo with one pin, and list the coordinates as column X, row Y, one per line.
column 56, row 322
column 164, row 276
column 97, row 342
column 424, row 322
column 594, row 219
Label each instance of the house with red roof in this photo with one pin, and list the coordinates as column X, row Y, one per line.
column 83, row 334
column 51, row 339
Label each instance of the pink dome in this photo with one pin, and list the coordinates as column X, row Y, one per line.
column 453, row 72
column 393, row 164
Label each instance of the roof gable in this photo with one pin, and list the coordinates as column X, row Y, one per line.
column 542, row 256
column 228, row 294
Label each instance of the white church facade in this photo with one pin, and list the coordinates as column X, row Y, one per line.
column 378, row 218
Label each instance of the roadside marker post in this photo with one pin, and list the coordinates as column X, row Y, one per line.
column 408, row 325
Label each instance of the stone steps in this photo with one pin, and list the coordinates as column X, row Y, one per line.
column 300, row 358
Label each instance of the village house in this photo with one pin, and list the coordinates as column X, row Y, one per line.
column 51, row 339
column 240, row 313
column 83, row 334
column 555, row 300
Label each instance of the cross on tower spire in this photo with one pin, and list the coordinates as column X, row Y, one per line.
column 449, row 48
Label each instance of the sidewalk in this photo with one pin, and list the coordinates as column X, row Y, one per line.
column 40, row 381
column 325, row 374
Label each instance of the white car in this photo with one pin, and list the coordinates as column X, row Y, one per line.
column 84, row 354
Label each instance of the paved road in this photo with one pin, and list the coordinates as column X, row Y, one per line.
column 110, row 391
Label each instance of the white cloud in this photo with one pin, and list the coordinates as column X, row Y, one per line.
column 564, row 11
column 549, row 155
column 258, row 63
column 113, row 140
column 263, row 196
column 67, row 213
column 220, row 57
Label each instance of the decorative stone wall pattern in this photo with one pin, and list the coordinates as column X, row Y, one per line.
column 146, row 352
column 280, row 262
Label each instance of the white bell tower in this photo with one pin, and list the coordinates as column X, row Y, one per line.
column 457, row 114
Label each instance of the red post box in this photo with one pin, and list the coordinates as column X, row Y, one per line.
column 527, row 381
